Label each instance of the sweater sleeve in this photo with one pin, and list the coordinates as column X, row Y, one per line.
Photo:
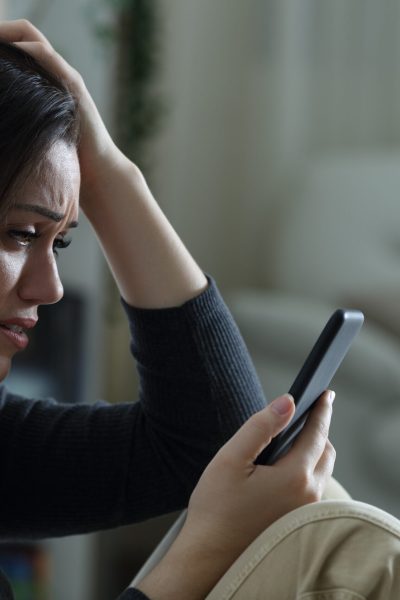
column 67, row 469
column 197, row 382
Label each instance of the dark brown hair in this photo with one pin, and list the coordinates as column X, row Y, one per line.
column 36, row 110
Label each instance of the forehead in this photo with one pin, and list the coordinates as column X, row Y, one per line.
column 55, row 182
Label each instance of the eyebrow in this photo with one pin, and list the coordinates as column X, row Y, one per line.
column 45, row 212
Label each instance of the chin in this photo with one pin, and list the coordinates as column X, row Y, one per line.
column 5, row 366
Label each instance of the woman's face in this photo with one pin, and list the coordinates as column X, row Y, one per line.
column 34, row 230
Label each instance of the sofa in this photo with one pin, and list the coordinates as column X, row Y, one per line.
column 336, row 244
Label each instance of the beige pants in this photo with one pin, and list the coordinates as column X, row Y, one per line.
column 336, row 549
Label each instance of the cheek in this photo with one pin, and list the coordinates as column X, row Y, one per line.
column 5, row 365
column 10, row 270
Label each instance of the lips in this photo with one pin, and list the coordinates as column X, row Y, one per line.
column 14, row 331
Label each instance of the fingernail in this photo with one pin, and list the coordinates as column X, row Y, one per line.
column 331, row 396
column 282, row 405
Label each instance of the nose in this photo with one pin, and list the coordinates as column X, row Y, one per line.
column 40, row 281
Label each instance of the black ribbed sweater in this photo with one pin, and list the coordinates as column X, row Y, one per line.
column 68, row 469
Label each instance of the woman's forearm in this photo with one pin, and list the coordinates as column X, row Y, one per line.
column 188, row 571
column 236, row 499
column 151, row 265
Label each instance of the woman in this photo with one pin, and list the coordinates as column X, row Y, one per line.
column 69, row 469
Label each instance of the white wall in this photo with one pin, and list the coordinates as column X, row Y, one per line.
column 255, row 90
column 236, row 120
column 203, row 151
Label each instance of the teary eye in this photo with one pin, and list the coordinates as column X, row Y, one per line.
column 22, row 236
column 59, row 244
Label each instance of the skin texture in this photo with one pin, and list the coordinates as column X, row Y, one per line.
column 28, row 266
column 234, row 500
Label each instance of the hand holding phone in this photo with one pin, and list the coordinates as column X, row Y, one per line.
column 315, row 376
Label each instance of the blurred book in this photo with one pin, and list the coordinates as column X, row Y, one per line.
column 27, row 568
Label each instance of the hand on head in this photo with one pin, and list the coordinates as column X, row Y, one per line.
column 95, row 143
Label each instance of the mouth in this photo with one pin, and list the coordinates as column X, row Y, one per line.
column 15, row 333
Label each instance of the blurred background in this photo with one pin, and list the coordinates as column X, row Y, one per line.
column 269, row 132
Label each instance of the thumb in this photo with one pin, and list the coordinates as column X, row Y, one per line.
column 258, row 431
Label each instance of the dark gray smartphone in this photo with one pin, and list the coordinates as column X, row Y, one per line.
column 315, row 376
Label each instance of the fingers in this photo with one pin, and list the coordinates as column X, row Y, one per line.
column 21, row 30
column 326, row 463
column 51, row 60
column 25, row 35
column 38, row 50
column 257, row 432
column 310, row 444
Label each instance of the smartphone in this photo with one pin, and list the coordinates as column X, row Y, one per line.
column 315, row 376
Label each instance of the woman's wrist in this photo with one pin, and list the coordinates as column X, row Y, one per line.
column 99, row 156
column 150, row 264
column 113, row 179
column 190, row 569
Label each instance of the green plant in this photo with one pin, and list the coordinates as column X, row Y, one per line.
column 137, row 108
column 132, row 28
